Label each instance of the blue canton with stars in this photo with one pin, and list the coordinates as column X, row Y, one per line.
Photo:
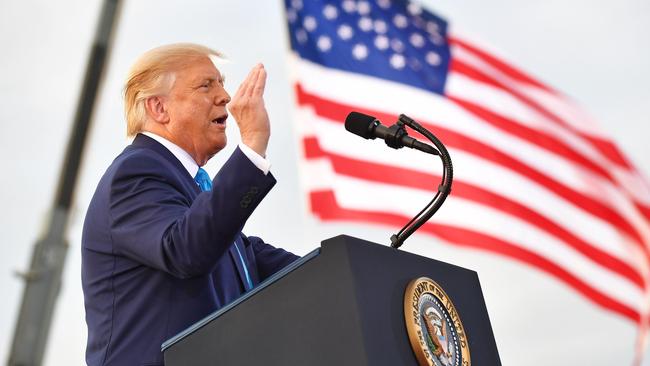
column 391, row 39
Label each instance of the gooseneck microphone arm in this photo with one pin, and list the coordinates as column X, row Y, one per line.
column 443, row 189
column 396, row 137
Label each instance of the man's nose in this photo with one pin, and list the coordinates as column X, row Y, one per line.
column 222, row 97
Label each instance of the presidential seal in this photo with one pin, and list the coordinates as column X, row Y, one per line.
column 433, row 325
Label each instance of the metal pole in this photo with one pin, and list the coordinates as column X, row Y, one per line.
column 43, row 280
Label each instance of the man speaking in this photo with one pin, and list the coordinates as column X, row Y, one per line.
column 162, row 245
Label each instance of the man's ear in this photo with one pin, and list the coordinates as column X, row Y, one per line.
column 157, row 109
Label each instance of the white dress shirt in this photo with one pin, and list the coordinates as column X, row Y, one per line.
column 192, row 167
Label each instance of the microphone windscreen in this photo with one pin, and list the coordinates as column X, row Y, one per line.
column 360, row 124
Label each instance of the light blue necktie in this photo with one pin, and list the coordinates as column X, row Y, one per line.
column 203, row 180
column 205, row 183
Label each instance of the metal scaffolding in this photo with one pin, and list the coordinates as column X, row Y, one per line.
column 43, row 279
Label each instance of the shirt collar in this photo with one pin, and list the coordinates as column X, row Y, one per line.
column 190, row 165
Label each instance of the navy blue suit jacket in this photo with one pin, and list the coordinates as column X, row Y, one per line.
column 158, row 254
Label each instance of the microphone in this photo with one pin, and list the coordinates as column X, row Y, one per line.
column 395, row 136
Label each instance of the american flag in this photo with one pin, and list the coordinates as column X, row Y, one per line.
column 536, row 179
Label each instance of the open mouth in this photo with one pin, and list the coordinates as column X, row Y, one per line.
column 220, row 120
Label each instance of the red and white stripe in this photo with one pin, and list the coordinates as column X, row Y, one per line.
column 535, row 179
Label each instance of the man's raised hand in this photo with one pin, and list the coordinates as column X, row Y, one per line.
column 247, row 107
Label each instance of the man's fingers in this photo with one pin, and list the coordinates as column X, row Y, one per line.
column 245, row 85
column 260, row 83
column 239, row 92
column 250, row 81
column 256, row 74
column 254, row 84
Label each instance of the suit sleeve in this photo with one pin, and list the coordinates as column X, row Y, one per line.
column 155, row 223
column 269, row 259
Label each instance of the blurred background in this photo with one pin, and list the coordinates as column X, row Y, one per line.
column 594, row 51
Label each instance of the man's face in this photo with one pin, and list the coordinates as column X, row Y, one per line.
column 197, row 110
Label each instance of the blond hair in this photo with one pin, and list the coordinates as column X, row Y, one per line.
column 153, row 74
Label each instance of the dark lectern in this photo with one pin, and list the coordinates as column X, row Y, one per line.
column 342, row 304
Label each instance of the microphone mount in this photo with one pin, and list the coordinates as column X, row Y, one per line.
column 395, row 134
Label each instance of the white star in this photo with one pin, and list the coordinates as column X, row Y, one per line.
column 324, row 43
column 363, row 7
column 365, row 24
column 384, row 4
column 400, row 21
column 414, row 9
column 397, row 45
column 291, row 15
column 309, row 23
column 416, row 40
column 380, row 26
column 381, row 42
column 415, row 64
column 419, row 22
column 359, row 51
column 349, row 6
column 296, row 4
column 301, row 35
column 432, row 27
column 432, row 58
column 330, row 12
column 436, row 39
column 397, row 61
column 345, row 32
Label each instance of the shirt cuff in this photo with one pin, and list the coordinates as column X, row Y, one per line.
column 260, row 162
